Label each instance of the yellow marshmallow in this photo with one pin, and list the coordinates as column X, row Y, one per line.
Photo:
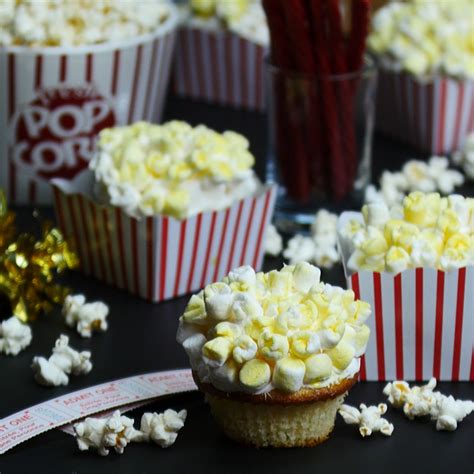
column 342, row 354
column 216, row 351
column 318, row 367
column 361, row 339
column 195, row 312
column 229, row 330
column 255, row 375
column 288, row 374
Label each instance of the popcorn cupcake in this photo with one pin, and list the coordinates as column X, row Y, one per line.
column 275, row 353
column 69, row 69
column 220, row 53
column 415, row 264
column 426, row 85
column 166, row 209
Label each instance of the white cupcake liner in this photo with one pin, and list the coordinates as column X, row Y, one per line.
column 161, row 257
column 54, row 101
column 422, row 322
column 219, row 67
column 434, row 116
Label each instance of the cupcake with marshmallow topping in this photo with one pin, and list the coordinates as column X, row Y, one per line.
column 275, row 353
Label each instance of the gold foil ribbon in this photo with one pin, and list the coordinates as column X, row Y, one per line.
column 28, row 266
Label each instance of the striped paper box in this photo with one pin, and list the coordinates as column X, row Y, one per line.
column 54, row 101
column 161, row 257
column 219, row 67
column 422, row 322
column 433, row 116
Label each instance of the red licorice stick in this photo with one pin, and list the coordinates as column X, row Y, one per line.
column 359, row 30
column 345, row 93
column 322, row 47
column 280, row 52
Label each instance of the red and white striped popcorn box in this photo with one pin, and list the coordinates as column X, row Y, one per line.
column 433, row 116
column 219, row 67
column 161, row 257
column 54, row 101
column 422, row 322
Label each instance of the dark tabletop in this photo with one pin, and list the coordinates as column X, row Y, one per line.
column 141, row 338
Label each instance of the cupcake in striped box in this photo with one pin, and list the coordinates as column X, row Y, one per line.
column 275, row 353
column 414, row 263
column 167, row 208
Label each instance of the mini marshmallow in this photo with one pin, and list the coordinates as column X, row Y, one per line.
column 288, row 374
column 64, row 361
column 369, row 419
column 102, row 434
column 14, row 336
column 255, row 375
column 161, row 428
column 86, row 317
column 273, row 243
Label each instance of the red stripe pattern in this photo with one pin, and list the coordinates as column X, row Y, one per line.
column 160, row 257
column 435, row 117
column 219, row 67
column 422, row 324
column 132, row 80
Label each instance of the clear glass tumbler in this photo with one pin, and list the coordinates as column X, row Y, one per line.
column 320, row 140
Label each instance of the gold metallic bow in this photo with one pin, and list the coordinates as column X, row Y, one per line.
column 28, row 266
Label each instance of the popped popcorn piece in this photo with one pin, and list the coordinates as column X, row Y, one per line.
column 64, row 361
column 423, row 401
column 172, row 169
column 416, row 175
column 86, row 317
column 273, row 243
column 425, row 38
column 464, row 158
column 14, row 336
column 427, row 230
column 101, row 435
column 243, row 17
column 299, row 249
column 78, row 22
column 321, row 247
column 369, row 418
column 161, row 428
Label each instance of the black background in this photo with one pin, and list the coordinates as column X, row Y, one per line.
column 141, row 338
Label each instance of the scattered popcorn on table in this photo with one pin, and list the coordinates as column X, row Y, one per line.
column 416, row 175
column 425, row 38
column 64, row 361
column 117, row 431
column 369, row 418
column 273, row 243
column 426, row 231
column 77, row 22
column 101, row 434
column 172, row 169
column 321, row 247
column 85, row 317
column 161, row 428
column 423, row 401
column 464, row 158
column 14, row 336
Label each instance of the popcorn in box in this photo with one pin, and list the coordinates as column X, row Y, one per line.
column 161, row 257
column 54, row 101
column 422, row 324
